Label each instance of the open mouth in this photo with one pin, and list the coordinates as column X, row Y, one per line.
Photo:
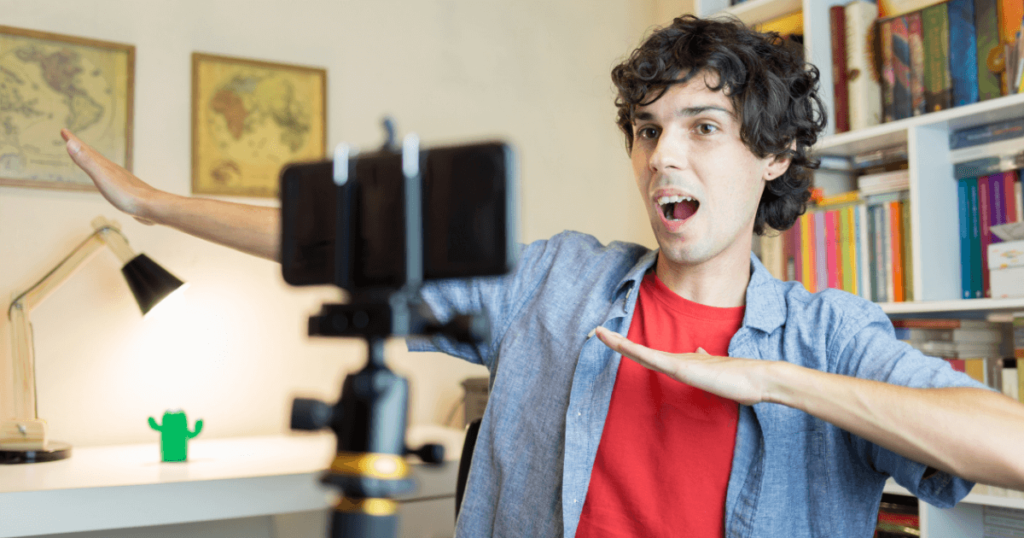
column 678, row 208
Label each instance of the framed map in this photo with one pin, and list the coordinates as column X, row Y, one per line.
column 250, row 119
column 51, row 81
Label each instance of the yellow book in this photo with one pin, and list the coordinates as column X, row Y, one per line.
column 975, row 368
column 850, row 255
column 838, row 199
column 806, row 241
column 785, row 25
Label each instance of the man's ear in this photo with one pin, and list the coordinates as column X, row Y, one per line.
column 778, row 164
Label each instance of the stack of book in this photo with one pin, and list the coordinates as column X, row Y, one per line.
column 986, row 161
column 928, row 55
column 970, row 346
column 857, row 241
column 898, row 517
column 1000, row 522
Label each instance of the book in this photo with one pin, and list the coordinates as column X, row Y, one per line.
column 863, row 249
column 839, row 199
column 908, row 257
column 897, row 251
column 963, row 57
column 944, row 323
column 841, row 105
column 881, row 156
column 881, row 258
column 901, row 68
column 989, row 165
column 991, row 335
column 850, row 250
column 964, row 216
column 915, row 39
column 888, row 73
column 888, row 249
column 884, row 182
column 986, row 26
column 820, row 252
column 997, row 204
column 1011, row 381
column 806, row 251
column 864, row 91
column 984, row 216
column 890, row 8
column 1009, row 146
column 938, row 91
column 1018, row 197
column 832, row 249
column 977, row 290
column 788, row 24
column 1009, row 179
column 988, row 133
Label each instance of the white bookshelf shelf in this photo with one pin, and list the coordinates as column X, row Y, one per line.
column 954, row 307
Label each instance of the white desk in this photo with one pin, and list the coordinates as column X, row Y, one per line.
column 122, row 486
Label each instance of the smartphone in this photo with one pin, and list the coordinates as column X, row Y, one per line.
column 353, row 235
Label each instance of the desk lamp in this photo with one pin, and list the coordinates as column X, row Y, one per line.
column 23, row 437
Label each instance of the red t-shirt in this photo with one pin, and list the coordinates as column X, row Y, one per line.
column 663, row 463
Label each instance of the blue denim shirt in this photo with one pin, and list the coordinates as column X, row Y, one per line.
column 792, row 475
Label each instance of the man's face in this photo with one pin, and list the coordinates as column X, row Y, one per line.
column 700, row 183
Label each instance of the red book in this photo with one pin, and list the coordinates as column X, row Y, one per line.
column 1009, row 178
column 958, row 365
column 896, row 223
column 840, row 91
column 984, row 218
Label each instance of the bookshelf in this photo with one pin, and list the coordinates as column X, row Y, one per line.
column 933, row 207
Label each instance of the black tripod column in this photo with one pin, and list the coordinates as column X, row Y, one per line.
column 369, row 467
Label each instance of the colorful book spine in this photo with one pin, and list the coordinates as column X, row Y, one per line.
column 888, row 72
column 908, row 252
column 820, row 252
column 849, row 250
column 977, row 290
column 863, row 253
column 1009, row 180
column 880, row 258
column 896, row 224
column 831, row 261
column 997, row 204
column 793, row 267
column 901, row 68
column 840, row 97
column 1018, row 197
column 807, row 250
column 964, row 214
column 1011, row 12
column 986, row 28
column 915, row 39
column 985, row 234
column 887, row 248
column 963, row 57
column 864, row 92
column 938, row 91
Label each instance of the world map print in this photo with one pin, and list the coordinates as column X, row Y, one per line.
column 46, row 85
column 250, row 120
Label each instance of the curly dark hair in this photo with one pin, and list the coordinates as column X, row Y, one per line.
column 774, row 92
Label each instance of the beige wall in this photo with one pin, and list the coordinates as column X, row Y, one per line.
column 532, row 71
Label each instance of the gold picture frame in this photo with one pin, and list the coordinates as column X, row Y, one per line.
column 52, row 81
column 249, row 119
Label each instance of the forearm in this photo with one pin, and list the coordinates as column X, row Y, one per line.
column 251, row 229
column 971, row 433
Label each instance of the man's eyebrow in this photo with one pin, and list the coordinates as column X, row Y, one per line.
column 688, row 112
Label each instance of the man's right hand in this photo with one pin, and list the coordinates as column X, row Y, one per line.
column 251, row 229
column 119, row 186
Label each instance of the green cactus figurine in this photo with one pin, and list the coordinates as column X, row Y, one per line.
column 174, row 435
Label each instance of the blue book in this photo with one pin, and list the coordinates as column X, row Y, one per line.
column 963, row 52
column 977, row 283
column 964, row 215
column 984, row 134
column 902, row 103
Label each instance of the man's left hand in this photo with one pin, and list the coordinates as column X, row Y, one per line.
column 743, row 380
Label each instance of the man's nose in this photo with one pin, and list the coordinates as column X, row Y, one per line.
column 669, row 153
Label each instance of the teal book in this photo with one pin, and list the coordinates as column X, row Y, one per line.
column 964, row 215
column 963, row 56
column 977, row 284
column 938, row 88
column 986, row 29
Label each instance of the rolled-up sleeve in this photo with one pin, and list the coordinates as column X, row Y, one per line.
column 873, row 352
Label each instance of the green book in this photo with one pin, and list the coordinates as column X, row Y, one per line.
column 986, row 26
column 938, row 85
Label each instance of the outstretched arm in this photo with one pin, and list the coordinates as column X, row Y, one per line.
column 251, row 229
column 971, row 433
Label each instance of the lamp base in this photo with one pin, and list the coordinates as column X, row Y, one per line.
column 56, row 450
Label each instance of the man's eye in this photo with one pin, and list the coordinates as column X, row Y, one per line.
column 649, row 133
column 706, row 128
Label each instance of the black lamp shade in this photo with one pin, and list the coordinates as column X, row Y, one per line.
column 149, row 282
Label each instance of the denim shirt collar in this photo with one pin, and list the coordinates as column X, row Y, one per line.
column 765, row 305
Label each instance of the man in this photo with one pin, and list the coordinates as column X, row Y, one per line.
column 765, row 411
